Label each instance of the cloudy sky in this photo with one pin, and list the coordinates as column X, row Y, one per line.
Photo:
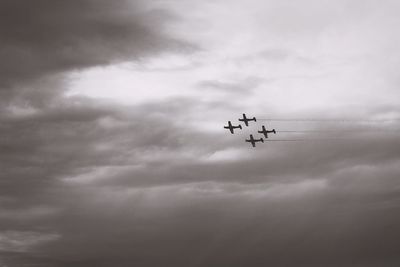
column 113, row 152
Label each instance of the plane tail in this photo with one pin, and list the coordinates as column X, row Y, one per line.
column 262, row 140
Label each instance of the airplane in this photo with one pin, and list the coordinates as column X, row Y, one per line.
column 231, row 127
column 246, row 120
column 254, row 141
column 265, row 132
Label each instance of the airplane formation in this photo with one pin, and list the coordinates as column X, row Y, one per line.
column 246, row 121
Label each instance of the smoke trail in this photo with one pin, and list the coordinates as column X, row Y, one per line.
column 309, row 140
column 330, row 120
column 286, row 140
column 340, row 131
column 310, row 131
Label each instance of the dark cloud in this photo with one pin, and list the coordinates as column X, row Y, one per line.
column 49, row 36
column 45, row 37
column 139, row 170
column 80, row 167
column 320, row 228
column 136, row 185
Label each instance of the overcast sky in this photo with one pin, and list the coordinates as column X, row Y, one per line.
column 113, row 152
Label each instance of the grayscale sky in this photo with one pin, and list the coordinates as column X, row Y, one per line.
column 113, row 152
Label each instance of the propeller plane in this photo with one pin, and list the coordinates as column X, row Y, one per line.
column 231, row 127
column 265, row 132
column 246, row 120
column 254, row 141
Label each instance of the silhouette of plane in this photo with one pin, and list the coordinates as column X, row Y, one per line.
column 254, row 141
column 231, row 127
column 246, row 120
column 265, row 132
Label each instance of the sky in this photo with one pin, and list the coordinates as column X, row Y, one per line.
column 113, row 151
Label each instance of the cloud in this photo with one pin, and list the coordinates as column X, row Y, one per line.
column 260, row 224
column 92, row 182
column 138, row 170
column 44, row 38
column 19, row 241
column 231, row 88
